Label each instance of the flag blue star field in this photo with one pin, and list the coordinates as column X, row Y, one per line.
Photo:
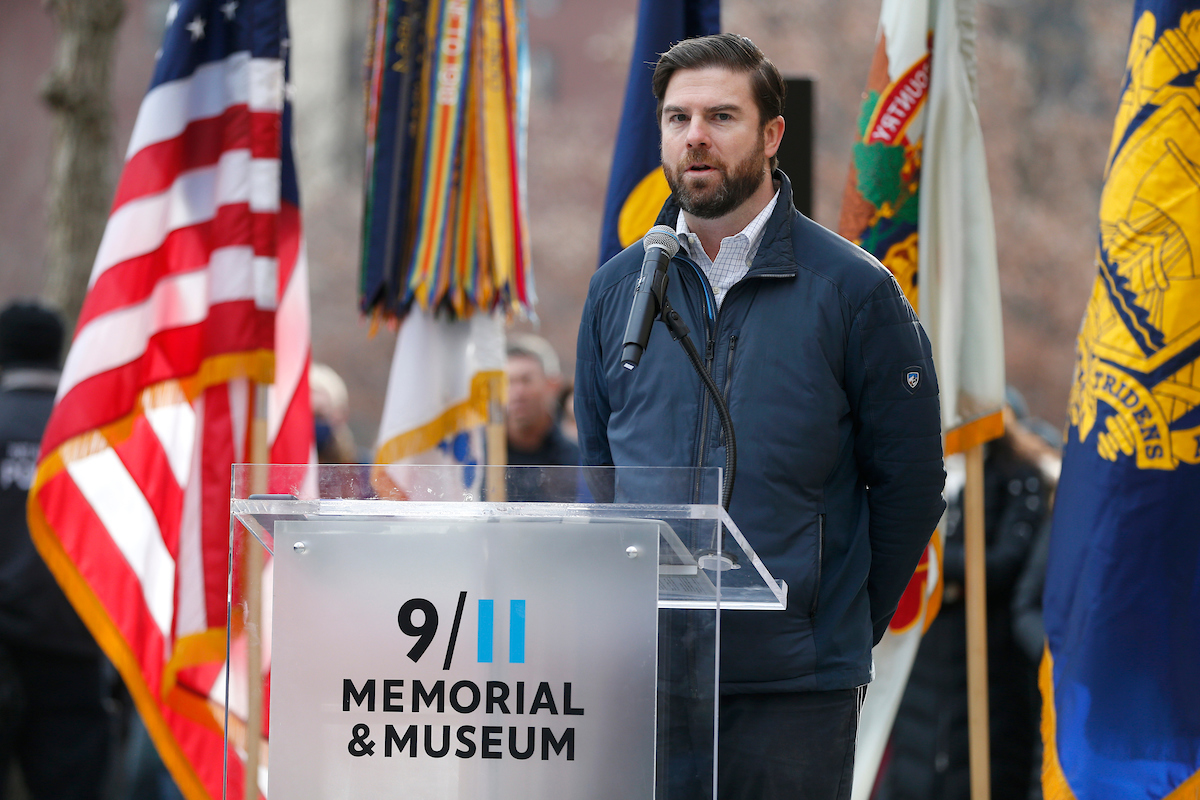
column 1122, row 600
column 636, row 186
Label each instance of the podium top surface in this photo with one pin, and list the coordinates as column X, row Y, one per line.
column 704, row 559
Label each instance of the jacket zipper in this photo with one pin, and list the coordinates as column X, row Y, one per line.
column 812, row 612
column 702, row 442
column 728, row 376
column 709, row 351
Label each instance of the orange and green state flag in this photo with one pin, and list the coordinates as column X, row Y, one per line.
column 880, row 207
column 1121, row 714
column 636, row 186
column 918, row 199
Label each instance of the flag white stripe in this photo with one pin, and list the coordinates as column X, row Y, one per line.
column 142, row 225
column 175, row 427
column 239, row 415
column 235, row 273
column 168, row 108
column 208, row 92
column 266, row 85
column 191, row 613
column 122, row 508
column 121, row 336
column 264, row 184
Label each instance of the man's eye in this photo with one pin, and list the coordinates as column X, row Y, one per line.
column 723, row 117
column 677, row 118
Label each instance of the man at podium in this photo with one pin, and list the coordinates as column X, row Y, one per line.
column 830, row 383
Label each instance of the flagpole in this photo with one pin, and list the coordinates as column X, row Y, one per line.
column 254, row 568
column 976, row 599
column 497, row 442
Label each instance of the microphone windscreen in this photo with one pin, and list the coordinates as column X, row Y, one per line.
column 662, row 236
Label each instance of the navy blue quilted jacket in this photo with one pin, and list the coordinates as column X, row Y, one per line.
column 839, row 473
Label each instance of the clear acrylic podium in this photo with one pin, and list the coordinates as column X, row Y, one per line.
column 469, row 633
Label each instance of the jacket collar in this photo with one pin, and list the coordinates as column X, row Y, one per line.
column 776, row 256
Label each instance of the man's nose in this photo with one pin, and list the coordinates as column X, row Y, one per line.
column 697, row 133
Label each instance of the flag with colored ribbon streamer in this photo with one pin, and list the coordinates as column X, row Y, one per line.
column 445, row 238
column 637, row 188
column 199, row 291
column 1121, row 716
column 917, row 198
column 445, row 225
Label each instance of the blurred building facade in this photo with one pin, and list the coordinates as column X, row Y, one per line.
column 1048, row 71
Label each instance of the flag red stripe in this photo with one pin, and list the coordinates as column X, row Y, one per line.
column 177, row 353
column 217, row 454
column 102, row 565
column 155, row 167
column 146, row 461
column 184, row 250
column 291, row 445
column 288, row 245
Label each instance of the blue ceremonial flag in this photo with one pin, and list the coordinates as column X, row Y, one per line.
column 636, row 186
column 1122, row 601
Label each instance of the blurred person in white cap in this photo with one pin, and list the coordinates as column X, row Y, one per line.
column 534, row 435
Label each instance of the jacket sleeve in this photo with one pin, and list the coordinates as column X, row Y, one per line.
column 893, row 394
column 591, row 391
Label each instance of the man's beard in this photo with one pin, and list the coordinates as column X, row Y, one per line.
column 733, row 186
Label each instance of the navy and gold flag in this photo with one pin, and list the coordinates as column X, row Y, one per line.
column 1122, row 603
column 636, row 186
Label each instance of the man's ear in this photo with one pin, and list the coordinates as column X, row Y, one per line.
column 772, row 136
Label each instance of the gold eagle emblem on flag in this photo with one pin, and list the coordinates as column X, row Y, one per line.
column 1139, row 345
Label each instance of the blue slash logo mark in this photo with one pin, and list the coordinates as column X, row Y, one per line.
column 485, row 643
column 516, row 631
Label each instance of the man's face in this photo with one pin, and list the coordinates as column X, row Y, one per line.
column 715, row 152
column 530, row 392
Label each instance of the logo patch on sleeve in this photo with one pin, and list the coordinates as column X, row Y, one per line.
column 912, row 379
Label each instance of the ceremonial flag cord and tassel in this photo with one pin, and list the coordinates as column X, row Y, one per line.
column 445, row 234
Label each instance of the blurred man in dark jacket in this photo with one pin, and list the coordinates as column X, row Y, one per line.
column 929, row 751
column 53, row 679
column 534, row 436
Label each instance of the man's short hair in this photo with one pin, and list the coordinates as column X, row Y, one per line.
column 528, row 345
column 733, row 52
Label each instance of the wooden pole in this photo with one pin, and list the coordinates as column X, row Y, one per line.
column 253, row 561
column 976, row 598
column 497, row 442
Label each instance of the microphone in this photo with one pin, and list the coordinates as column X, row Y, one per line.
column 661, row 245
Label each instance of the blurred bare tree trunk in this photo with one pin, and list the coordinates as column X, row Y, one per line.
column 80, row 190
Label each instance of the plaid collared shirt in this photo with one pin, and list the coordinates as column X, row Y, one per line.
column 735, row 255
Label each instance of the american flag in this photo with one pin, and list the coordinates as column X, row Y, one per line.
column 200, row 274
